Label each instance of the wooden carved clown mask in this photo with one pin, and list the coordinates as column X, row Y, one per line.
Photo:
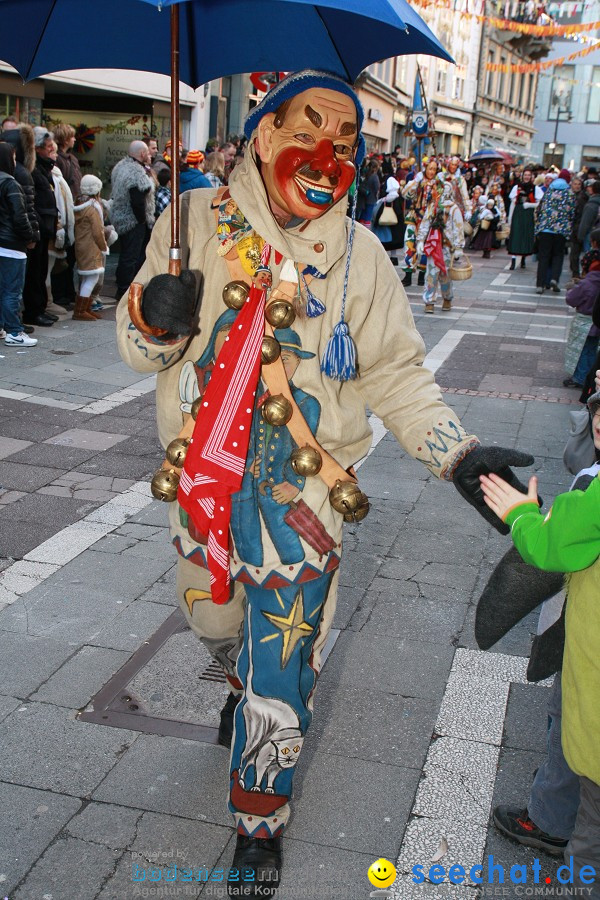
column 306, row 149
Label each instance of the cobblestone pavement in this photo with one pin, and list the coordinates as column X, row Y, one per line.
column 416, row 733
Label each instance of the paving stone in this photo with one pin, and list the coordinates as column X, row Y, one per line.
column 18, row 538
column 20, row 477
column 374, row 725
column 87, row 440
column 7, row 705
column 313, row 871
column 121, row 885
column 69, row 868
column 526, row 722
column 105, row 823
column 408, row 668
column 7, row 497
column 10, row 446
column 121, row 465
column 82, row 676
column 173, row 776
column 416, row 617
column 329, row 792
column 32, row 819
column 136, row 623
column 60, row 511
column 69, row 542
column 46, row 747
column 28, row 661
column 113, row 543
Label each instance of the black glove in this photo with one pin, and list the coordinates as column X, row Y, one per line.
column 482, row 461
column 169, row 302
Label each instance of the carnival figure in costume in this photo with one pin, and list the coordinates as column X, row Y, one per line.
column 288, row 256
column 417, row 195
column 441, row 239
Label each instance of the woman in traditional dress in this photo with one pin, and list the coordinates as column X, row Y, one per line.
column 524, row 199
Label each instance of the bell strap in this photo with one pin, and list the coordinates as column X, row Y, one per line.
column 277, row 382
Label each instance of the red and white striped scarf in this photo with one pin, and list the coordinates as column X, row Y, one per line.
column 216, row 458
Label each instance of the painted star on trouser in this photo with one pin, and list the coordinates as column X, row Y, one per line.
column 293, row 627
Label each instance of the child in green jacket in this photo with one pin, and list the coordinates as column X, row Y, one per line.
column 567, row 539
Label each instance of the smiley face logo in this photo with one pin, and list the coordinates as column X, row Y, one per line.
column 381, row 873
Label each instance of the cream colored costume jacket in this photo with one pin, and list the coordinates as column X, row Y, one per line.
column 392, row 382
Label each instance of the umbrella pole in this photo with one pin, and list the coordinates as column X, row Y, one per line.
column 175, row 249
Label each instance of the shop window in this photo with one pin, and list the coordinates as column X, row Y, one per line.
column 594, row 101
column 561, row 91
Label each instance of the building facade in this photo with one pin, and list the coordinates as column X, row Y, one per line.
column 567, row 113
column 503, row 115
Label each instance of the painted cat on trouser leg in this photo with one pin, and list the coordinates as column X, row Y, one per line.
column 276, row 709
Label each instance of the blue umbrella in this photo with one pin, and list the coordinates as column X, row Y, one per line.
column 217, row 38
column 208, row 39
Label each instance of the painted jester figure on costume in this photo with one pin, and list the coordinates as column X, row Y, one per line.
column 264, row 400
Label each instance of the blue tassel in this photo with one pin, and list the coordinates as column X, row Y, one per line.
column 339, row 359
column 314, row 307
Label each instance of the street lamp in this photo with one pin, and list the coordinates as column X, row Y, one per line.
column 560, row 112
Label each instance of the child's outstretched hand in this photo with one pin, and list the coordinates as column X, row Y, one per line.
column 501, row 497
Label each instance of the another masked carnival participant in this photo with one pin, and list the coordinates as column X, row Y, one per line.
column 417, row 194
column 267, row 479
column 459, row 185
column 441, row 238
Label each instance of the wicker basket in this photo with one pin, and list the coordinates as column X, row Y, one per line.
column 462, row 272
column 503, row 233
column 485, row 224
column 467, row 228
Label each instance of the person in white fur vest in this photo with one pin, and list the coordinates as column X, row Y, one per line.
column 132, row 211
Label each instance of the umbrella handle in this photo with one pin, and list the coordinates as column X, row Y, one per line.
column 175, row 250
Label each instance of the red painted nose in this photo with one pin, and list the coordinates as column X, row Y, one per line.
column 324, row 159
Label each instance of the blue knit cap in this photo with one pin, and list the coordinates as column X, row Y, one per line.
column 297, row 83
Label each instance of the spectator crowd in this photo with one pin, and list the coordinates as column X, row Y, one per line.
column 56, row 228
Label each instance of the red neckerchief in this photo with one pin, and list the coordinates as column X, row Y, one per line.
column 216, row 458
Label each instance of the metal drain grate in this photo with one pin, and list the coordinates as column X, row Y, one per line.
column 118, row 703
column 214, row 672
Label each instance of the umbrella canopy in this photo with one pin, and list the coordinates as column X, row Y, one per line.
column 216, row 38
column 487, row 156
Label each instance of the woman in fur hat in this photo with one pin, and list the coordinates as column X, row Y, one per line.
column 90, row 246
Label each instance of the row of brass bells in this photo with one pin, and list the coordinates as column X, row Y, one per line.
column 347, row 498
column 235, row 294
column 280, row 314
column 270, row 350
column 306, row 461
column 277, row 410
column 164, row 485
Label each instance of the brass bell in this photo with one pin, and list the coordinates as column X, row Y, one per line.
column 306, row 460
column 277, row 410
column 196, row 408
column 177, row 452
column 347, row 498
column 270, row 350
column 280, row 314
column 235, row 294
column 164, row 485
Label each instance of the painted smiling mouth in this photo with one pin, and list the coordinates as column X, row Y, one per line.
column 305, row 186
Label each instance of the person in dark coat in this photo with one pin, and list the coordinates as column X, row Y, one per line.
column 16, row 234
column 576, row 246
column 62, row 283
column 23, row 140
column 35, row 295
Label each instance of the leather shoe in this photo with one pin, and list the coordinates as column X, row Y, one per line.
column 50, row 315
column 43, row 321
column 263, row 858
column 28, row 329
column 570, row 382
column 226, row 725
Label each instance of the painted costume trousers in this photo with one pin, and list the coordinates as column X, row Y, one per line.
column 433, row 278
column 411, row 261
column 270, row 643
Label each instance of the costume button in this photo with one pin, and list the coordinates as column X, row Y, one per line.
column 318, row 248
column 271, row 480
